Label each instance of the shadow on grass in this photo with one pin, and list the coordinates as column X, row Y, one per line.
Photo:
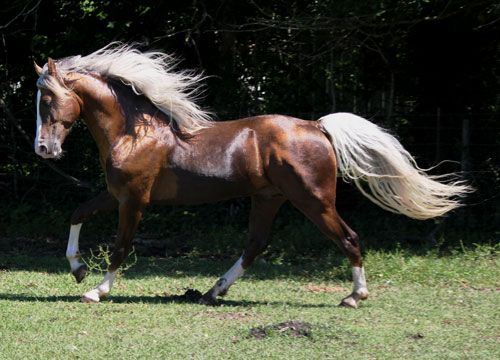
column 170, row 299
column 302, row 268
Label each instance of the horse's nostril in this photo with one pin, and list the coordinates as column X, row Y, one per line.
column 43, row 149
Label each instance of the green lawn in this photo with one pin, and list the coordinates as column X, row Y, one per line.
column 419, row 307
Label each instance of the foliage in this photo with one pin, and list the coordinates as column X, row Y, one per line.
column 101, row 260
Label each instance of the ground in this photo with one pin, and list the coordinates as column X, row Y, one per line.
column 419, row 307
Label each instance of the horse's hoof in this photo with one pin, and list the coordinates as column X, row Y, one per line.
column 80, row 273
column 208, row 300
column 349, row 302
column 91, row 296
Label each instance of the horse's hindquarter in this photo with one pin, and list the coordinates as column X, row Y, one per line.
column 302, row 162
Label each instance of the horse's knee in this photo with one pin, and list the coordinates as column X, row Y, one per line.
column 104, row 202
column 81, row 215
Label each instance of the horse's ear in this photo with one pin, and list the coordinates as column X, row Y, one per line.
column 52, row 67
column 38, row 69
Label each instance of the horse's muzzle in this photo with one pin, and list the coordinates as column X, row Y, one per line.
column 48, row 150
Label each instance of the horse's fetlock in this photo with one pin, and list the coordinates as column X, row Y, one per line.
column 362, row 293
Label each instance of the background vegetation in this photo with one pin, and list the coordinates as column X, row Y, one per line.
column 427, row 70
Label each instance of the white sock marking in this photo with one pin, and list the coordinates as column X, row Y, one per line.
column 230, row 277
column 72, row 252
column 358, row 277
column 103, row 289
column 235, row 272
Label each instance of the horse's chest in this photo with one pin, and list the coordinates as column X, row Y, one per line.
column 134, row 166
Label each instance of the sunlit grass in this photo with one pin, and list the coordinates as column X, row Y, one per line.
column 419, row 307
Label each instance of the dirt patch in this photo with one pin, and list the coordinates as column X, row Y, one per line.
column 258, row 332
column 482, row 289
column 324, row 289
column 288, row 328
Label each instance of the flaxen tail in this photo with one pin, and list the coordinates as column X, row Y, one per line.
column 386, row 173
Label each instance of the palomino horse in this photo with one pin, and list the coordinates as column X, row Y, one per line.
column 156, row 145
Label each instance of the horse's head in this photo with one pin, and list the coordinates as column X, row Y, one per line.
column 58, row 107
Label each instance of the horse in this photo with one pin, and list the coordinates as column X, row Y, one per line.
column 156, row 145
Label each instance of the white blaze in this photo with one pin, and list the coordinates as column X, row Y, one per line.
column 38, row 119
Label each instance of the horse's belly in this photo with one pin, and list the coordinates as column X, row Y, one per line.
column 178, row 187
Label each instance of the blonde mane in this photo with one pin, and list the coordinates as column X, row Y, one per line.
column 151, row 74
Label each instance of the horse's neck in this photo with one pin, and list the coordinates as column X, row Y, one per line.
column 111, row 110
column 101, row 112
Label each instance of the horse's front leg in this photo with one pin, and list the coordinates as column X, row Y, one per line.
column 130, row 215
column 103, row 202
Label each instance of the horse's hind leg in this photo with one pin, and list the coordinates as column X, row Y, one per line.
column 325, row 216
column 350, row 246
column 101, row 203
column 262, row 213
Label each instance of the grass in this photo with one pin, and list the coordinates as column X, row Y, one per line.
column 428, row 307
